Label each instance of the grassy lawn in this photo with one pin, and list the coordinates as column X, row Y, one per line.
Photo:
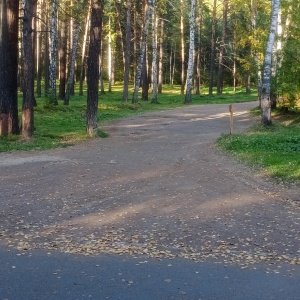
column 60, row 126
column 276, row 149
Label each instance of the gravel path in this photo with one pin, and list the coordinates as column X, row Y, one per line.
column 156, row 188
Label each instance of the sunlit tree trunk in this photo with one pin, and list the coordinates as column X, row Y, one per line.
column 266, row 80
column 83, row 60
column 190, row 70
column 9, row 13
column 28, row 89
column 161, row 55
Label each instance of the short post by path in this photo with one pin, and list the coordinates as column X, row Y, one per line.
column 230, row 119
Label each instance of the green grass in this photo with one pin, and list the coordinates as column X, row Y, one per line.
column 60, row 126
column 276, row 149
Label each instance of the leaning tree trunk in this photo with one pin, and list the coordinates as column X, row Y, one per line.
column 127, row 51
column 53, row 53
column 28, row 88
column 190, row 70
column 142, row 53
column 266, row 81
column 93, row 66
column 9, row 13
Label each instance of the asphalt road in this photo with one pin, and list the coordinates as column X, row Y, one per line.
column 38, row 275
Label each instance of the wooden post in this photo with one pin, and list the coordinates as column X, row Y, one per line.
column 231, row 119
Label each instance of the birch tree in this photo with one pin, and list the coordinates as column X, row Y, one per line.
column 266, row 80
column 190, row 70
column 161, row 55
column 142, row 53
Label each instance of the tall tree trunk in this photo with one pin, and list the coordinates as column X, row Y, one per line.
column 63, row 58
column 83, row 60
column 109, row 54
column 9, row 13
column 256, row 59
column 154, row 54
column 47, row 46
column 135, row 40
column 198, row 65
column 119, row 20
column 182, row 47
column 127, row 51
column 190, row 70
column 234, row 61
column 71, row 76
column 161, row 55
column 266, row 81
column 28, row 92
column 142, row 54
column 39, row 54
column 53, row 53
column 93, row 66
column 145, row 79
column 212, row 48
column 222, row 48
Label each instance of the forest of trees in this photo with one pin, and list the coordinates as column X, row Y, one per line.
column 46, row 46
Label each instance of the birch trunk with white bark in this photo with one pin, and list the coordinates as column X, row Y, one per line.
column 142, row 53
column 190, row 70
column 266, row 80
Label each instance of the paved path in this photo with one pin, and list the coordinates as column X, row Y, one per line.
column 154, row 211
